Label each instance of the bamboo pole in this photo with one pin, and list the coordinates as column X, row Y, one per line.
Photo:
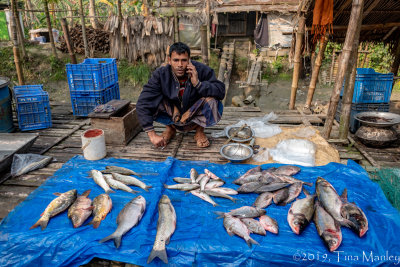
column 20, row 34
column 67, row 38
column 332, row 65
column 356, row 10
column 396, row 62
column 121, row 45
column 204, row 53
column 208, row 29
column 85, row 42
column 297, row 57
column 365, row 56
column 46, row 11
column 14, row 38
column 176, row 26
column 315, row 71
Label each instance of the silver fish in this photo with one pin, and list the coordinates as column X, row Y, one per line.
column 201, row 176
column 212, row 175
column 99, row 179
column 56, row 206
column 34, row 165
column 254, row 226
column 269, row 224
column 236, row 226
column 203, row 196
column 216, row 193
column 81, row 209
column 225, row 190
column 128, row 217
column 327, row 227
column 102, row 206
column 254, row 170
column 214, row 184
column 263, row 200
column 280, row 196
column 287, row 170
column 292, row 180
column 118, row 185
column 129, row 180
column 270, row 187
column 181, row 180
column 243, row 212
column 183, row 187
column 166, row 225
column 203, row 182
column 353, row 213
column 120, row 170
column 248, row 179
column 193, row 175
column 294, row 191
column 301, row 212
column 249, row 187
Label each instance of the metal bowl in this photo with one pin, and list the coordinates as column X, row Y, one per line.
column 378, row 119
column 244, row 135
column 236, row 152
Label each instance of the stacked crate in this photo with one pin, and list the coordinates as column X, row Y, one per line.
column 91, row 83
column 372, row 92
column 33, row 107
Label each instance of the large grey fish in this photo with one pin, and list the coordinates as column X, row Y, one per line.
column 183, row 187
column 263, row 200
column 243, row 212
column 216, row 193
column 268, row 178
column 280, row 196
column 34, row 165
column 129, row 180
column 225, row 190
column 249, row 187
column 287, row 170
column 56, row 206
column 166, row 225
column 249, row 172
column 117, row 184
column 81, row 209
column 120, row 170
column 181, row 180
column 128, row 217
column 203, row 196
column 327, row 227
column 331, row 201
column 193, row 175
column 102, row 205
column 270, row 187
column 236, row 226
column 254, row 226
column 294, row 191
column 214, row 184
column 249, row 178
column 353, row 213
column 99, row 179
column 301, row 212
column 269, row 224
column 204, row 181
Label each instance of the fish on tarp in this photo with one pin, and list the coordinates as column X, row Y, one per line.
column 129, row 180
column 166, row 226
column 239, row 181
column 98, row 178
column 117, row 184
column 212, row 175
column 200, row 177
column 120, row 170
column 243, row 212
column 269, row 224
column 263, row 200
column 248, row 179
column 327, row 227
column 203, row 182
column 81, row 209
column 183, row 187
column 182, row 180
column 271, row 187
column 193, row 175
column 354, row 214
column 128, row 218
column 280, row 196
column 254, row 226
column 225, row 190
column 234, row 226
column 249, row 187
column 288, row 170
column 292, row 180
column 102, row 206
column 294, row 191
column 56, row 206
column 214, row 184
column 301, row 212
column 216, row 193
column 203, row 196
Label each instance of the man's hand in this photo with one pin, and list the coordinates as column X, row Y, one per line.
column 156, row 140
column 191, row 70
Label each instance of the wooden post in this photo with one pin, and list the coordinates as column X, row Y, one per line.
column 315, row 71
column 396, row 62
column 46, row 10
column 365, row 56
column 93, row 14
column 85, row 42
column 208, row 29
column 356, row 10
column 204, row 53
column 20, row 34
column 297, row 57
column 121, row 45
column 14, row 38
column 332, row 65
column 176, row 26
column 67, row 38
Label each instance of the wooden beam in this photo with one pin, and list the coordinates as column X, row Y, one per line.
column 343, row 7
column 367, row 27
column 304, row 7
column 390, row 33
column 259, row 8
column 371, row 6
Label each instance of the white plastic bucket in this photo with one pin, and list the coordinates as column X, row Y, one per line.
column 93, row 144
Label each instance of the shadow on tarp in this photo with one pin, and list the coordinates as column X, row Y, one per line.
column 200, row 238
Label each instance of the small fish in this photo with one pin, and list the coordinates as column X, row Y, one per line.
column 239, row 180
column 120, row 170
column 327, row 227
column 193, row 175
column 117, row 184
column 34, row 165
column 102, row 205
column 236, row 226
column 292, row 180
column 128, row 217
column 212, row 175
column 203, row 182
column 203, row 196
column 216, row 193
column 280, row 196
column 214, row 184
column 287, row 170
column 248, row 179
column 56, row 206
column 181, row 180
column 263, row 200
column 269, row 224
column 201, row 176
column 270, row 187
column 301, row 212
column 166, row 225
column 243, row 212
column 294, row 192
column 129, row 180
column 254, row 226
column 249, row 187
column 99, row 179
column 81, row 209
column 354, row 214
column 183, row 187
column 226, row 190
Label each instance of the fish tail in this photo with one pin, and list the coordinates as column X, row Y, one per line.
column 95, row 223
column 117, row 239
column 42, row 222
column 233, row 199
column 109, row 191
column 161, row 254
column 165, row 186
column 348, row 223
column 307, row 183
column 251, row 241
column 220, row 214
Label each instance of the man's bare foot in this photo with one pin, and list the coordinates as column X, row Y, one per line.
column 201, row 138
column 169, row 133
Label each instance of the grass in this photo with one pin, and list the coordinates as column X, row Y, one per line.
column 137, row 74
column 3, row 26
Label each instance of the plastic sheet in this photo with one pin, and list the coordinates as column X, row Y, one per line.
column 200, row 238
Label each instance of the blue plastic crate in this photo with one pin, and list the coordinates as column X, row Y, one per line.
column 33, row 107
column 371, row 87
column 358, row 108
column 93, row 74
column 83, row 103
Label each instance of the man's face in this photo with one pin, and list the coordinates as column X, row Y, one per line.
column 179, row 63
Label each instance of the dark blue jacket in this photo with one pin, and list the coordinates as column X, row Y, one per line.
column 164, row 84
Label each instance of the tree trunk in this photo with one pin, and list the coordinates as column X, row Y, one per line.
column 14, row 38
column 46, row 11
column 176, row 26
column 121, row 45
column 67, row 38
column 396, row 61
column 70, row 14
column 85, row 42
column 92, row 13
column 20, row 34
column 204, row 53
column 356, row 10
column 208, row 29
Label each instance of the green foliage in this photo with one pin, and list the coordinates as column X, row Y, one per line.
column 277, row 70
column 380, row 58
column 3, row 27
column 7, row 61
column 137, row 73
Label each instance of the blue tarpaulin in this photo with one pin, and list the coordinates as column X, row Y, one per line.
column 200, row 238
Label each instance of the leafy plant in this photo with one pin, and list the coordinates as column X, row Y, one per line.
column 137, row 73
